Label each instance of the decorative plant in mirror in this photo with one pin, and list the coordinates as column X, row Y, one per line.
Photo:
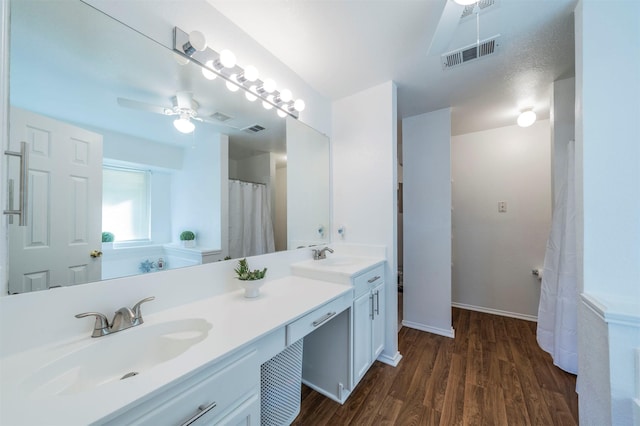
column 188, row 239
column 108, row 237
column 250, row 280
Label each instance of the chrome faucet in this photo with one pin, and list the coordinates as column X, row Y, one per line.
column 319, row 254
column 124, row 318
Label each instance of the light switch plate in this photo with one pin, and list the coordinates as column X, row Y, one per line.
column 502, row 206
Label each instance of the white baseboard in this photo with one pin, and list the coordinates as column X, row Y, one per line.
column 435, row 330
column 390, row 360
column 345, row 392
column 495, row 311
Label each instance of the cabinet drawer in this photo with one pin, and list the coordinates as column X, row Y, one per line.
column 216, row 391
column 316, row 318
column 368, row 279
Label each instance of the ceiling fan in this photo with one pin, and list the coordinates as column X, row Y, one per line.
column 453, row 13
column 184, row 107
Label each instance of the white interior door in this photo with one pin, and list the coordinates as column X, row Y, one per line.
column 65, row 205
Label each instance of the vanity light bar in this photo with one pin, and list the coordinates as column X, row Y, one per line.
column 200, row 54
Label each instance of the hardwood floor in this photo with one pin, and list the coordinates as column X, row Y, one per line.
column 492, row 373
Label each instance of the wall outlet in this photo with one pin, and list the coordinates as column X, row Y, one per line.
column 502, row 206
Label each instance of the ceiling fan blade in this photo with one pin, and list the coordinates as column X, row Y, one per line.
column 184, row 100
column 143, row 106
column 447, row 26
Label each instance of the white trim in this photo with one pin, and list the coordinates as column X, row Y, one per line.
column 495, row 312
column 345, row 392
column 613, row 311
column 390, row 360
column 435, row 330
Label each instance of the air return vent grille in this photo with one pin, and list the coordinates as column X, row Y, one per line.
column 253, row 129
column 474, row 51
column 219, row 116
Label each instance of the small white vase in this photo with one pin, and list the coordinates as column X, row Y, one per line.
column 188, row 243
column 252, row 287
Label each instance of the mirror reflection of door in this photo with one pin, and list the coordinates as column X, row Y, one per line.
column 65, row 193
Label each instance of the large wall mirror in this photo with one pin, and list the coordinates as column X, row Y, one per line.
column 85, row 92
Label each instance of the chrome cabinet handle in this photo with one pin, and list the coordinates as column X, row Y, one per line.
column 371, row 299
column 378, row 302
column 202, row 410
column 24, row 184
column 324, row 318
column 374, row 279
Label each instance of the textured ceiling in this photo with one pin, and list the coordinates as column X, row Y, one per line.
column 343, row 46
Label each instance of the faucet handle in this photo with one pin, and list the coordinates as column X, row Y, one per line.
column 101, row 327
column 137, row 314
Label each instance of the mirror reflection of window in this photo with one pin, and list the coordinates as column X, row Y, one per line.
column 125, row 203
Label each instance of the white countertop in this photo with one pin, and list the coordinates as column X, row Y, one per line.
column 236, row 321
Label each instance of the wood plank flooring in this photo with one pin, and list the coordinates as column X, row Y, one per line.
column 492, row 373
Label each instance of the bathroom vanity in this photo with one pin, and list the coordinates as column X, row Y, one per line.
column 200, row 362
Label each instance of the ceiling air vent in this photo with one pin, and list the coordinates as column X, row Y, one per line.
column 474, row 51
column 254, row 129
column 483, row 6
column 220, row 116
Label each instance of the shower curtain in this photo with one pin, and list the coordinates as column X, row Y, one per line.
column 250, row 226
column 557, row 312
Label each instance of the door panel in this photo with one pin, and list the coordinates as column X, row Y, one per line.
column 65, row 205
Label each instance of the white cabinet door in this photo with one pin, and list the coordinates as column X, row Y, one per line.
column 378, row 320
column 361, row 336
column 246, row 414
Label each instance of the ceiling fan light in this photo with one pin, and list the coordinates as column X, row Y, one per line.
column 184, row 125
column 526, row 118
column 207, row 73
column 227, row 59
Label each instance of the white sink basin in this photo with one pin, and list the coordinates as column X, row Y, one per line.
column 337, row 261
column 110, row 358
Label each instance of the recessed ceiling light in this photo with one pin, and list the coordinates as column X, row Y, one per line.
column 526, row 118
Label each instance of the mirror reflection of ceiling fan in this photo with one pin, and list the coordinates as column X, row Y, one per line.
column 455, row 12
column 184, row 108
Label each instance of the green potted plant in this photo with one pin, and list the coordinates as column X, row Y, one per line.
column 250, row 280
column 107, row 239
column 188, row 239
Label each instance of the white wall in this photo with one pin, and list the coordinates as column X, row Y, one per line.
column 426, row 152
column 608, row 200
column 562, row 121
column 196, row 193
column 494, row 253
column 364, row 161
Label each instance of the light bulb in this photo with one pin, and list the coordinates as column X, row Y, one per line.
column 197, row 41
column 208, row 74
column 465, row 2
column 269, row 85
column 286, row 95
column 282, row 113
column 526, row 118
column 266, row 104
column 183, row 124
column 250, row 94
column 299, row 105
column 232, row 87
column 227, row 59
column 251, row 73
